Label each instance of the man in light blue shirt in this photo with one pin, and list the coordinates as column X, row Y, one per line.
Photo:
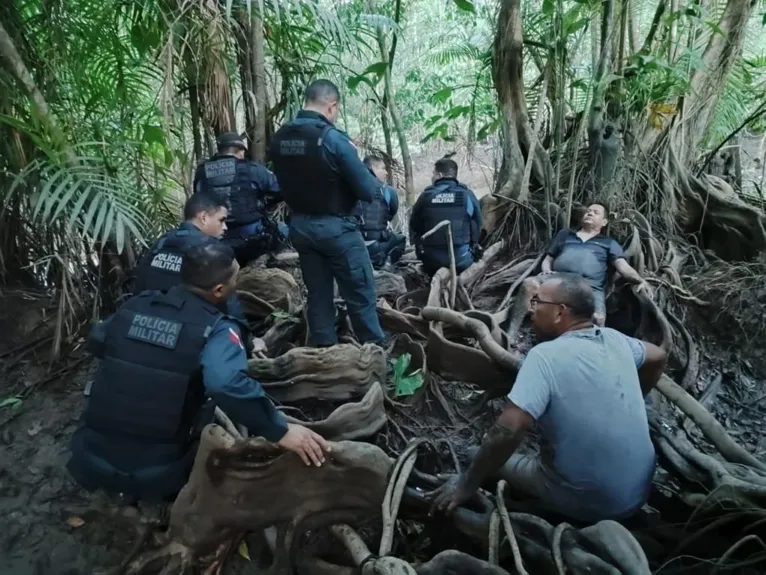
column 584, row 388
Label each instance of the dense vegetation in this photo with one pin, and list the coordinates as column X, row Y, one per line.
column 107, row 107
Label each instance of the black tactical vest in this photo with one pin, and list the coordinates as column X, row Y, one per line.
column 161, row 268
column 373, row 216
column 149, row 384
column 446, row 201
column 308, row 183
column 231, row 177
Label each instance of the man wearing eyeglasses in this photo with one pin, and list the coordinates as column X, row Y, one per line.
column 584, row 389
column 586, row 252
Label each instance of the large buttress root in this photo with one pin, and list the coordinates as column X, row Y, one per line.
column 340, row 372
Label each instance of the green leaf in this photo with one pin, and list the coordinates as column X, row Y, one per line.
column 12, row 402
column 441, row 96
column 153, row 135
column 466, row 6
column 548, row 7
column 378, row 68
column 406, row 384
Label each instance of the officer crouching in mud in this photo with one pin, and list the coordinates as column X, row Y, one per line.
column 251, row 190
column 162, row 356
column 376, row 216
column 159, row 267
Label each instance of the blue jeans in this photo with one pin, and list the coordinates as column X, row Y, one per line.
column 331, row 247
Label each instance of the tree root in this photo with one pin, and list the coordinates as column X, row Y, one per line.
column 352, row 421
column 388, row 285
column 707, row 423
column 477, row 270
column 338, row 373
column 273, row 286
column 242, row 486
column 507, row 360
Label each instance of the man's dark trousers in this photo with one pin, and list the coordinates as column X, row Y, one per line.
column 391, row 245
column 332, row 247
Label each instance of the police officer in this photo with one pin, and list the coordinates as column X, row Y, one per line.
column 159, row 268
column 375, row 217
column 162, row 355
column 204, row 222
column 322, row 179
column 446, row 199
column 251, row 188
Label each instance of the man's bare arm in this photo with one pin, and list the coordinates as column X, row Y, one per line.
column 627, row 271
column 502, row 439
column 653, row 367
column 547, row 265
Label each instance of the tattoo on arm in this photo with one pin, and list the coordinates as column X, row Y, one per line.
column 497, row 447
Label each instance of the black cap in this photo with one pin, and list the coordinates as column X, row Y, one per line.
column 231, row 140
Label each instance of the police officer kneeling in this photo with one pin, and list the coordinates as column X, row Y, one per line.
column 322, row 178
column 250, row 188
column 381, row 241
column 162, row 355
column 204, row 222
column 446, row 199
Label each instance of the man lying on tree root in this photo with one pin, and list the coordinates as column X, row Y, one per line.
column 586, row 252
column 162, row 354
column 582, row 391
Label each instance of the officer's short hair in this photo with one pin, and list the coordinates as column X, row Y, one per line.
column 446, row 167
column 322, row 91
column 204, row 202
column 575, row 292
column 207, row 265
column 373, row 159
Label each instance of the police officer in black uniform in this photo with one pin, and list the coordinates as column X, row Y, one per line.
column 446, row 199
column 159, row 268
column 322, row 179
column 162, row 356
column 204, row 222
column 251, row 189
column 375, row 217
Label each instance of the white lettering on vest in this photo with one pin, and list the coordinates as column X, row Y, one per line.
column 169, row 262
column 155, row 330
column 444, row 198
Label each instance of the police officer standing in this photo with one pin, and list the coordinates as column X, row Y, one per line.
column 322, row 179
column 446, row 199
column 250, row 188
column 162, row 355
column 376, row 216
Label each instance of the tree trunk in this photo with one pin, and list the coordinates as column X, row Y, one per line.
column 258, row 149
column 19, row 69
column 219, row 108
column 507, row 76
column 722, row 51
column 245, row 64
column 390, row 99
column 389, row 144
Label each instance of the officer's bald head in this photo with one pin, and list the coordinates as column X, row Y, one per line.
column 323, row 97
column 210, row 270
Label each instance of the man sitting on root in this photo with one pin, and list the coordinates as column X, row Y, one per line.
column 586, row 397
column 162, row 355
column 586, row 252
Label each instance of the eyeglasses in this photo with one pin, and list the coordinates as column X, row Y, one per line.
column 535, row 301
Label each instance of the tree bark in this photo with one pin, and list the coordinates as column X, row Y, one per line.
column 722, row 51
column 18, row 68
column 390, row 100
column 219, row 108
column 258, row 145
column 507, row 76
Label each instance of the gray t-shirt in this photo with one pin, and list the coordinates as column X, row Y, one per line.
column 583, row 391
